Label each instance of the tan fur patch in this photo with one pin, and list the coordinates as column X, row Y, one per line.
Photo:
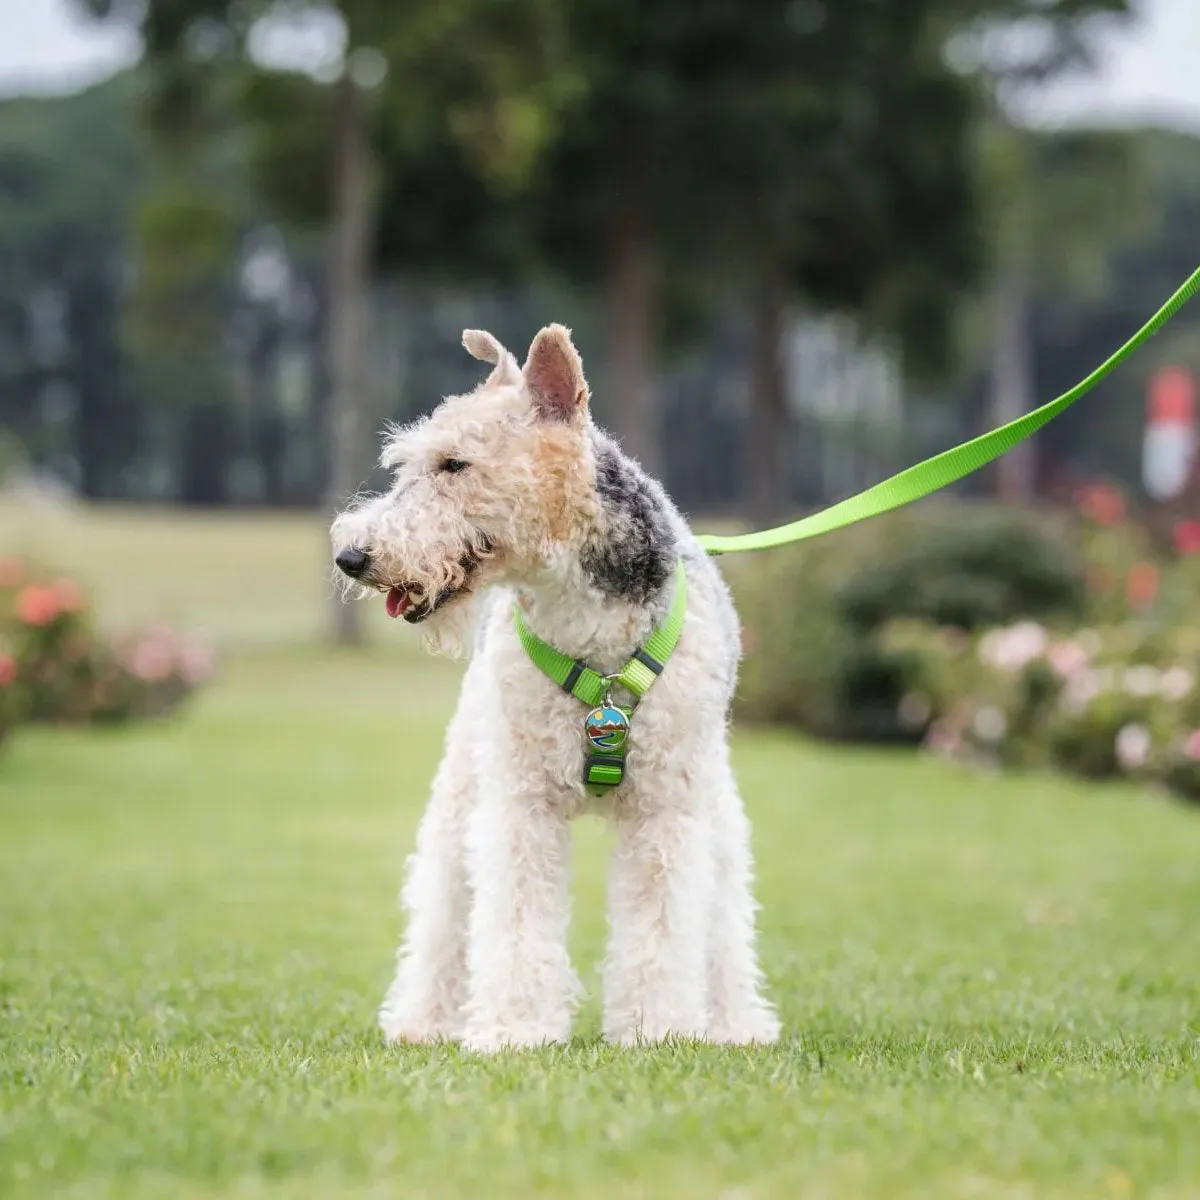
column 565, row 484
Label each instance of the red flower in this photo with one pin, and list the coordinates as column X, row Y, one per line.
column 38, row 605
column 8, row 670
column 1187, row 537
column 1103, row 504
column 1141, row 584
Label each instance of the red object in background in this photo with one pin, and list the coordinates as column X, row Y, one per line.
column 1141, row 585
column 1102, row 503
column 1172, row 397
column 1169, row 445
column 1187, row 537
column 37, row 605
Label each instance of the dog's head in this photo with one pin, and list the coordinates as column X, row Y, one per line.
column 484, row 489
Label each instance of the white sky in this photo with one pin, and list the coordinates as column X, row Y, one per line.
column 1148, row 72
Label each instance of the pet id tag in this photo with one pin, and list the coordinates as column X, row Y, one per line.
column 607, row 729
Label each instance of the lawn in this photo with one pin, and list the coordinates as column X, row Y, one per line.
column 991, row 987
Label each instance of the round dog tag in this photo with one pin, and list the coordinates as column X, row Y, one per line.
column 606, row 728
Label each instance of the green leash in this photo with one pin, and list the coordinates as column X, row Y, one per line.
column 606, row 727
column 945, row 468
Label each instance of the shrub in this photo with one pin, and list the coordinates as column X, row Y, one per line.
column 54, row 667
column 816, row 614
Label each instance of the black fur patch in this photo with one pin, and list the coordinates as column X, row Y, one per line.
column 637, row 557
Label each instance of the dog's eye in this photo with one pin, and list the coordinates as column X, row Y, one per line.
column 452, row 466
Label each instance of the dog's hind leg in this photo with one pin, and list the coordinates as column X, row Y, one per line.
column 738, row 1011
column 426, row 999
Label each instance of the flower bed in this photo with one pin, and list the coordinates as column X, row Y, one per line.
column 55, row 667
column 1100, row 702
column 1052, row 640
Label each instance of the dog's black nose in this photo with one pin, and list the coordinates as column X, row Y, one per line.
column 352, row 562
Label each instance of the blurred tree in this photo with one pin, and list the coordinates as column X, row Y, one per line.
column 1060, row 201
column 63, row 260
column 795, row 148
column 468, row 76
column 865, row 197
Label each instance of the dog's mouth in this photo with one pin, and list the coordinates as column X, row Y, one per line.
column 407, row 600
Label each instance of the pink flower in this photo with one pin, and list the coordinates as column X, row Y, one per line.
column 1067, row 658
column 1080, row 690
column 1176, row 682
column 151, row 662
column 196, row 662
column 1132, row 747
column 944, row 736
column 1012, row 649
column 1187, row 537
column 8, row 670
column 38, row 605
column 1191, row 747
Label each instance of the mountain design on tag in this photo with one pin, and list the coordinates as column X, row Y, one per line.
column 606, row 728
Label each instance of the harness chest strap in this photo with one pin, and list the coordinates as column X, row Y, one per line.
column 606, row 726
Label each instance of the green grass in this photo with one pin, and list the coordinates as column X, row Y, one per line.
column 991, row 987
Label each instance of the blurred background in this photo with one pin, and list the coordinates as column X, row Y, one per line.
column 802, row 244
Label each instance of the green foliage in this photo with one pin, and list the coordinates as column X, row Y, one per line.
column 816, row 615
column 966, row 568
column 187, row 238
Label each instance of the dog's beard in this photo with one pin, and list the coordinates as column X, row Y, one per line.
column 449, row 628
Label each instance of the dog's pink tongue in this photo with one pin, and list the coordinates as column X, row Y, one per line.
column 397, row 601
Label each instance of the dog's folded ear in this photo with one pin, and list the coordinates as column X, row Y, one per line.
column 554, row 375
column 482, row 345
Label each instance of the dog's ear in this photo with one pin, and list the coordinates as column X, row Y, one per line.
column 481, row 345
column 554, row 375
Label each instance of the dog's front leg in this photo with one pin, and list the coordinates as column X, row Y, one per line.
column 660, row 893
column 426, row 999
column 522, row 988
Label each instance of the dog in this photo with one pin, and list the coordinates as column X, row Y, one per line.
column 511, row 514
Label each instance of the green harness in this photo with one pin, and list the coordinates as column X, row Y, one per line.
column 607, row 725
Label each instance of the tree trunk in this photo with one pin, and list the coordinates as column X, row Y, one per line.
column 1012, row 385
column 103, row 433
column 768, row 440
column 352, row 219
column 630, row 322
column 269, row 431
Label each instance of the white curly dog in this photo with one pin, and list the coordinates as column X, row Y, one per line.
column 591, row 602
